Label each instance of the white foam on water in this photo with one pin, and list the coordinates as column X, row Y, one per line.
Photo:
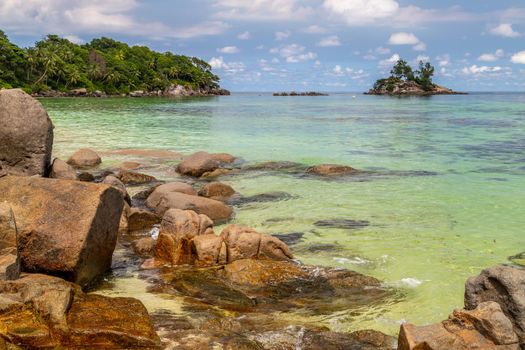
column 411, row 282
column 155, row 232
column 355, row 261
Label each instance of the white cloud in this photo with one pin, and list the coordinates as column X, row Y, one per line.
column 74, row 39
column 315, row 29
column 279, row 36
column 244, row 36
column 420, row 47
column 505, row 30
column 422, row 58
column 491, row 57
column 228, row 49
column 230, row 68
column 518, row 58
column 382, row 50
column 339, row 71
column 74, row 17
column 330, row 41
column 403, row 38
column 294, row 53
column 262, row 10
column 474, row 70
column 389, row 61
column 443, row 60
column 388, row 12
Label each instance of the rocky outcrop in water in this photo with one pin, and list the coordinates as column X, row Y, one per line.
column 202, row 163
column 393, row 87
column 26, row 135
column 62, row 170
column 293, row 93
column 73, row 235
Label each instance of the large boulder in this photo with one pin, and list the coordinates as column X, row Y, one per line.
column 485, row 327
column 62, row 170
column 215, row 210
column 504, row 285
column 141, row 219
column 243, row 242
column 73, row 235
column 200, row 163
column 217, row 190
column 84, row 158
column 39, row 311
column 177, row 231
column 26, row 134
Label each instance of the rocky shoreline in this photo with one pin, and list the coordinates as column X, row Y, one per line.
column 410, row 88
column 172, row 91
column 237, row 284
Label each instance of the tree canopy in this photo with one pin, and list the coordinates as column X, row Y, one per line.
column 104, row 64
column 403, row 72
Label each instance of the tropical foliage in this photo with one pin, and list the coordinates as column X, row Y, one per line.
column 403, row 72
column 103, row 64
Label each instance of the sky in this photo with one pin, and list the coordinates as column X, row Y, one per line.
column 309, row 45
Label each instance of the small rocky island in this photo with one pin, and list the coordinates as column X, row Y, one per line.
column 404, row 81
column 293, row 93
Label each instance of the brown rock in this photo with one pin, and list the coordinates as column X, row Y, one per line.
column 123, row 227
column 215, row 210
column 62, row 170
column 257, row 273
column 9, row 264
column 26, row 134
column 86, row 177
column 225, row 158
column 243, row 242
column 161, row 191
column 197, row 164
column 484, row 328
column 118, row 185
column 8, row 231
column 41, row 311
column 177, row 230
column 128, row 166
column 504, row 285
column 331, row 170
column 144, row 246
column 210, row 250
column 73, row 235
column 84, row 158
column 133, row 178
column 140, row 219
column 217, row 190
column 216, row 173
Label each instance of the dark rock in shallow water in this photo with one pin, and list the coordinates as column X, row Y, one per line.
column 346, row 224
column 262, row 198
column 290, row 238
column 324, row 247
column 518, row 259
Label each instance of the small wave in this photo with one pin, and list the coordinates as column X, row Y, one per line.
column 354, row 261
column 411, row 282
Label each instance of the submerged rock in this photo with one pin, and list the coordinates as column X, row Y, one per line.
column 39, row 311
column 73, row 235
column 141, row 219
column 485, row 327
column 290, row 238
column 84, row 158
column 26, row 134
column 331, row 170
column 269, row 285
column 261, row 198
column 346, row 224
column 504, row 285
column 62, row 170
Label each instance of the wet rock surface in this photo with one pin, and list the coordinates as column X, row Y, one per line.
column 26, row 135
column 133, row 178
column 62, row 170
column 39, row 311
column 201, row 163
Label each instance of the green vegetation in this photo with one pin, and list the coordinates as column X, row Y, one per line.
column 103, row 64
column 402, row 72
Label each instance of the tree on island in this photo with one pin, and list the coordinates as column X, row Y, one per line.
column 104, row 64
column 402, row 72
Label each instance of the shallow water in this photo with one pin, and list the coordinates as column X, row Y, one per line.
column 448, row 203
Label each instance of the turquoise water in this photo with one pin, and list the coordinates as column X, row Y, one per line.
column 448, row 204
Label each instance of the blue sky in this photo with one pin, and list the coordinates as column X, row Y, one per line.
column 325, row 45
